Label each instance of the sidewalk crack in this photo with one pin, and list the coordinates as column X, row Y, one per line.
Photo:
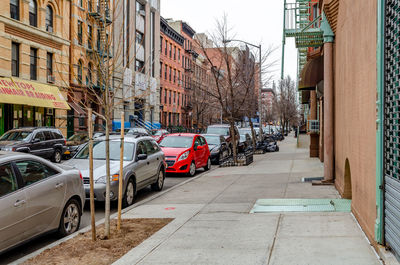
column 275, row 236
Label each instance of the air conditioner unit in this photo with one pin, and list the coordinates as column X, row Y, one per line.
column 51, row 79
column 49, row 111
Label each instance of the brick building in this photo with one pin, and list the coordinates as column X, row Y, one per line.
column 34, row 55
column 172, row 90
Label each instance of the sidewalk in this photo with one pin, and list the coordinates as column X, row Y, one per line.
column 213, row 225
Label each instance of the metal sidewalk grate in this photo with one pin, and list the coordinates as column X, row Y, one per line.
column 301, row 205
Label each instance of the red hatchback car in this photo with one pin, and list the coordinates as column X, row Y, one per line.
column 185, row 152
column 159, row 134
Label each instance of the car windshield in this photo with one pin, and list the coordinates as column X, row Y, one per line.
column 177, row 141
column 16, row 136
column 212, row 139
column 218, row 130
column 99, row 151
column 78, row 137
column 157, row 133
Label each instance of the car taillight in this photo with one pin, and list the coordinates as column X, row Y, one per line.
column 80, row 175
column 65, row 142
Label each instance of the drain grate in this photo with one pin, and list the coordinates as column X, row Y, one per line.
column 301, row 205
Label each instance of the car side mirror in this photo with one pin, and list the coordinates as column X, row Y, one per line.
column 142, row 157
column 36, row 140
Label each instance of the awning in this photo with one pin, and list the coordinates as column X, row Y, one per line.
column 311, row 74
column 77, row 108
column 17, row 91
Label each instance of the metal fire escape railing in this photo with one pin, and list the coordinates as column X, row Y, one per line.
column 303, row 25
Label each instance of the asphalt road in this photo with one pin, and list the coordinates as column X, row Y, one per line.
column 42, row 241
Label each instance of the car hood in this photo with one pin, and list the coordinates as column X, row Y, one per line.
column 212, row 146
column 172, row 151
column 99, row 167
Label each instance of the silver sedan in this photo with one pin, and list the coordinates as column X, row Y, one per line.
column 37, row 196
column 143, row 165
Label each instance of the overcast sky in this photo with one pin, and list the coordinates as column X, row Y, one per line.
column 254, row 21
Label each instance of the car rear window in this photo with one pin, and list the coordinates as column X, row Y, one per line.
column 218, row 130
column 57, row 135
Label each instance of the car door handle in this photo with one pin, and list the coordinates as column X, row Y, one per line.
column 59, row 185
column 19, row 203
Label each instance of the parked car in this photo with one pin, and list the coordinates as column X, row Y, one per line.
column 185, row 152
column 223, row 129
column 243, row 131
column 143, row 166
column 218, row 147
column 41, row 141
column 138, row 130
column 158, row 135
column 74, row 143
column 245, row 142
column 37, row 196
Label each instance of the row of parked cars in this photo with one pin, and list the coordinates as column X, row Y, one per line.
column 38, row 196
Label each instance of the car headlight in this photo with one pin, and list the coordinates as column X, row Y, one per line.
column 184, row 156
column 113, row 177
column 215, row 150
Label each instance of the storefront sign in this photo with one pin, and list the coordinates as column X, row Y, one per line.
column 18, row 91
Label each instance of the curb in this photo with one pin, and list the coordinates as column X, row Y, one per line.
column 101, row 221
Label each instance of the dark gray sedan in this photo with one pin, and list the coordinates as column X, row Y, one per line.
column 37, row 196
column 143, row 165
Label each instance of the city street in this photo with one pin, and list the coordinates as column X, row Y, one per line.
column 29, row 247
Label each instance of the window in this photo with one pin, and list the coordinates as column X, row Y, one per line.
column 98, row 39
column 49, row 19
column 90, row 36
column 15, row 59
column 89, row 75
column 160, row 69
column 89, row 4
column 165, row 72
column 39, row 136
column 179, row 55
column 8, row 182
column 174, row 75
column 49, row 67
column 48, row 135
column 141, row 149
column 33, row 13
column 140, row 66
column 80, row 3
column 33, row 171
column 80, row 70
column 170, row 96
column 139, row 38
column 174, row 97
column 170, row 74
column 14, row 9
column 139, row 7
column 80, row 32
column 174, row 52
column 149, row 147
column 179, row 96
column 33, row 64
column 170, row 50
column 166, row 47
column 165, row 96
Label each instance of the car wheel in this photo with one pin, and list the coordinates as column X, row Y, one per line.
column 208, row 166
column 57, row 156
column 70, row 218
column 192, row 169
column 129, row 196
column 158, row 185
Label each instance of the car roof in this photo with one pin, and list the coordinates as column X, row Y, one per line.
column 212, row 134
column 183, row 134
column 127, row 138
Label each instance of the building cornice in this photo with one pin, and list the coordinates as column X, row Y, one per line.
column 170, row 32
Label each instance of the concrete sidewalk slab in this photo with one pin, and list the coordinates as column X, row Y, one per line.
column 213, row 225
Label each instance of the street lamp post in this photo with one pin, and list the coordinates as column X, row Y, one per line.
column 259, row 91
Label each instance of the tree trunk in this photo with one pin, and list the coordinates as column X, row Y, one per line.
column 233, row 137
column 253, row 135
column 107, row 204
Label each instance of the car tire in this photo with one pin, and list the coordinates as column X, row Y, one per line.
column 192, row 169
column 70, row 218
column 57, row 156
column 277, row 149
column 159, row 184
column 130, row 193
column 208, row 165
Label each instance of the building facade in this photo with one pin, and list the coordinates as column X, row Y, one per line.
column 349, row 83
column 34, row 63
column 172, row 91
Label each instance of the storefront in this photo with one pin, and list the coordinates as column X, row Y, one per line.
column 24, row 104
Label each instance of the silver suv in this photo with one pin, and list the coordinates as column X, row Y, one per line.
column 143, row 166
column 37, row 196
